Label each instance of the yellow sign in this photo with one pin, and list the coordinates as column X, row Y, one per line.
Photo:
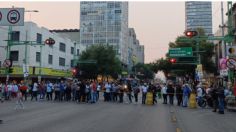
column 44, row 71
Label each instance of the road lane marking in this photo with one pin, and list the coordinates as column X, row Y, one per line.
column 178, row 130
column 173, row 118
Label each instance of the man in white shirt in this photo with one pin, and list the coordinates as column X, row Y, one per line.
column 164, row 93
column 199, row 93
column 34, row 92
column 144, row 92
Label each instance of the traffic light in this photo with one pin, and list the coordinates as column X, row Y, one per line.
column 10, row 70
column 173, row 60
column 74, row 71
column 49, row 41
column 191, row 34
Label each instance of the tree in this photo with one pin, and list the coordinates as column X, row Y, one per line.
column 143, row 71
column 205, row 46
column 106, row 62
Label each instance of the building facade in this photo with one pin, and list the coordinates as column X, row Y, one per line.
column 105, row 23
column 198, row 14
column 48, row 61
column 135, row 50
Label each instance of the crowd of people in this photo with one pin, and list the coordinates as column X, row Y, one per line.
column 117, row 91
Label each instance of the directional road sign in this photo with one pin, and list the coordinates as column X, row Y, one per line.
column 181, row 52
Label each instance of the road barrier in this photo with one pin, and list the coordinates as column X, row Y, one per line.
column 192, row 101
column 149, row 98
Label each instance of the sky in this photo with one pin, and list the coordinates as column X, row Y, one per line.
column 155, row 23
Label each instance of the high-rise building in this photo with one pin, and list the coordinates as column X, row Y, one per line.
column 105, row 22
column 198, row 14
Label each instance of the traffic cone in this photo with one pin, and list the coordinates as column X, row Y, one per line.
column 192, row 101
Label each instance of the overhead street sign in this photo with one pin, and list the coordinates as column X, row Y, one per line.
column 12, row 16
column 181, row 52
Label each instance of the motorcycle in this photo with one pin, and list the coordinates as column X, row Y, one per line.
column 206, row 100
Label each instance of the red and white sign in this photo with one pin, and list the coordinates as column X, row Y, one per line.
column 12, row 16
column 7, row 63
column 231, row 63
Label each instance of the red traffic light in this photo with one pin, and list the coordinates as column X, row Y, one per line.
column 173, row 60
column 191, row 33
column 49, row 41
column 74, row 71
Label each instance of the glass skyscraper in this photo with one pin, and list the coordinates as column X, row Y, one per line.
column 105, row 22
column 198, row 14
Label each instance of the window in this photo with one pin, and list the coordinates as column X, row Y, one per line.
column 39, row 38
column 38, row 56
column 14, row 55
column 117, row 11
column 62, row 61
column 71, row 63
column 62, row 47
column 72, row 50
column 49, row 59
column 15, row 36
column 77, row 51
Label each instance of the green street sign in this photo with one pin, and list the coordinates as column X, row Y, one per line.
column 181, row 52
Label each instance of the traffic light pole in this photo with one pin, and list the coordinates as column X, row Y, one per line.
column 9, row 42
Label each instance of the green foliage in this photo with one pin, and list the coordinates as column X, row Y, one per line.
column 143, row 71
column 107, row 62
column 182, row 69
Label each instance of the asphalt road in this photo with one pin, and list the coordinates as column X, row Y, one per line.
column 43, row 116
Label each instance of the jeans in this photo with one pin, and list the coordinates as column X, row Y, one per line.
column 185, row 101
column 93, row 97
column 221, row 104
column 165, row 98
column 136, row 97
column 144, row 98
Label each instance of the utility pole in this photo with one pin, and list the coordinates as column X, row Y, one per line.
column 223, row 46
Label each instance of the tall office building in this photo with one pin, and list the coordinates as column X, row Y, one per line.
column 198, row 14
column 105, row 22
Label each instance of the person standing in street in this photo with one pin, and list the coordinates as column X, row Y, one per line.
column 164, row 93
column 34, row 92
column 170, row 92
column 221, row 98
column 144, row 92
column 19, row 101
column 49, row 90
column 179, row 95
column 186, row 93
column 199, row 94
column 136, row 92
column 214, row 96
column 129, row 92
